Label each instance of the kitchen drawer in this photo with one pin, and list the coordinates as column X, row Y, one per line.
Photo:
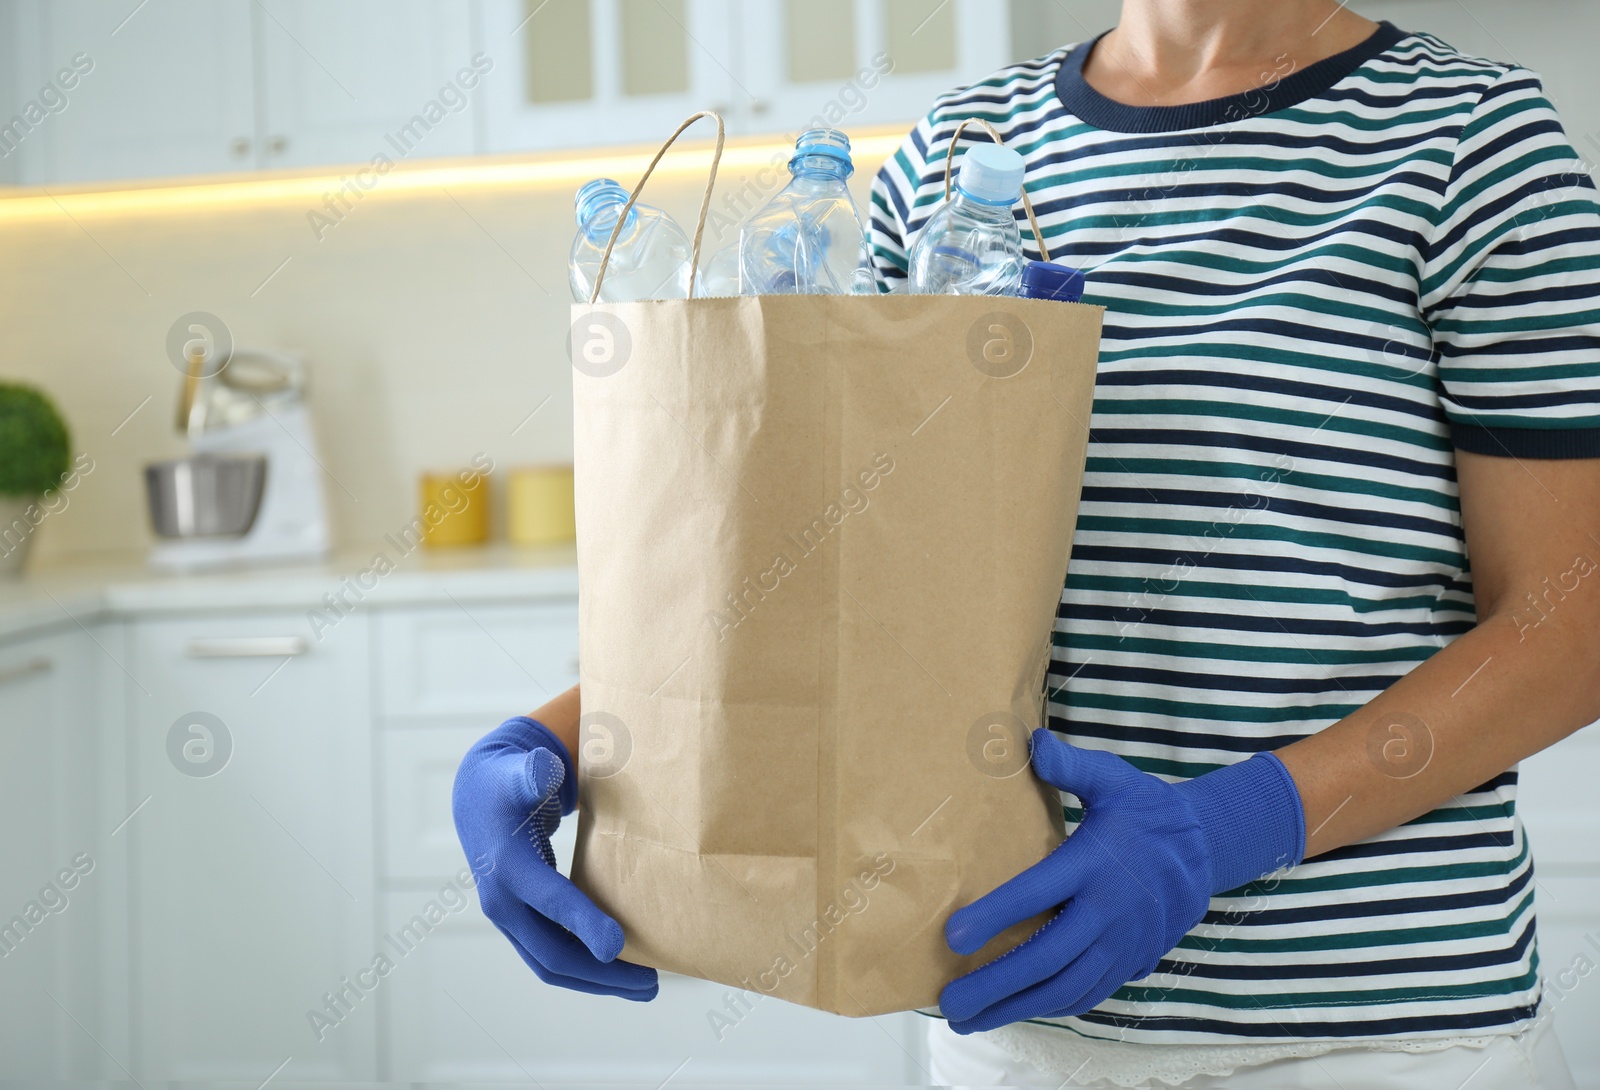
column 489, row 662
column 417, row 769
column 460, row 1005
column 1569, row 959
column 1558, row 805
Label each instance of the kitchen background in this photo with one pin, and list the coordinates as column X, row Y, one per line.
column 433, row 318
column 189, row 170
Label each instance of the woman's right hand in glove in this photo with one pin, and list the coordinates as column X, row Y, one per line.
column 511, row 791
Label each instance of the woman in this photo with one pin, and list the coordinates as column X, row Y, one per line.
column 1351, row 280
column 1351, row 335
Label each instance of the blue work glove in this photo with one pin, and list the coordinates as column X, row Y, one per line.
column 511, row 791
column 1130, row 881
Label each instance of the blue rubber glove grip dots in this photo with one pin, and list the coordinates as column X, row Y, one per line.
column 530, row 735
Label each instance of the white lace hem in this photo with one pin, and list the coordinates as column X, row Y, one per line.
column 1086, row 1060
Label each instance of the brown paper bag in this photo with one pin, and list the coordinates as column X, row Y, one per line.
column 820, row 545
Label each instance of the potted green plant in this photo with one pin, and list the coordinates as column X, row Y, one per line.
column 35, row 455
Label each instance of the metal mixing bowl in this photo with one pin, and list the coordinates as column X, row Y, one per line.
column 206, row 495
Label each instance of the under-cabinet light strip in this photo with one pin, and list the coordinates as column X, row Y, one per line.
column 185, row 195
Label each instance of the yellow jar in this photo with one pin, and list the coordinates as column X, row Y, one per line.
column 539, row 506
column 454, row 508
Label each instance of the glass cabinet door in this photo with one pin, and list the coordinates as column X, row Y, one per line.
column 863, row 62
column 572, row 73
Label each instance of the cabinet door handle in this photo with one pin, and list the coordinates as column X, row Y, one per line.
column 24, row 669
column 250, row 647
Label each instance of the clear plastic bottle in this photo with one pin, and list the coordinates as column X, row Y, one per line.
column 808, row 239
column 720, row 275
column 651, row 259
column 971, row 245
column 865, row 279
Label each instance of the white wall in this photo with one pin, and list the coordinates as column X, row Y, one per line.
column 428, row 337
column 431, row 328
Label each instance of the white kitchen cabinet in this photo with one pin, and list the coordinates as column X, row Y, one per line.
column 253, row 887
column 223, row 908
column 594, row 72
column 474, row 664
column 62, row 868
column 169, row 89
column 416, row 772
column 862, row 62
column 178, row 87
column 267, row 813
column 345, row 82
column 460, row 1005
column 463, row 1007
column 13, row 89
column 570, row 73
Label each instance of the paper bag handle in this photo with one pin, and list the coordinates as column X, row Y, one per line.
column 705, row 203
column 1027, row 205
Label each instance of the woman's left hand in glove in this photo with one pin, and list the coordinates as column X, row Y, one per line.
column 1131, row 880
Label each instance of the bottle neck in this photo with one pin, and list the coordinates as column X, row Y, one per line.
column 820, row 168
column 980, row 209
column 598, row 216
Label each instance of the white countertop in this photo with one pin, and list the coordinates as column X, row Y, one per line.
column 63, row 594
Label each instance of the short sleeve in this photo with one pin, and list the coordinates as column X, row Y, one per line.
column 1511, row 282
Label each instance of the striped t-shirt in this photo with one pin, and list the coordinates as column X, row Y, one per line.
column 1315, row 293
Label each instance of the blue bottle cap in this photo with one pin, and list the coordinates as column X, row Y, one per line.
column 1048, row 280
column 991, row 174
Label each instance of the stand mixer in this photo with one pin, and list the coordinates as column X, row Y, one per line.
column 250, row 491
